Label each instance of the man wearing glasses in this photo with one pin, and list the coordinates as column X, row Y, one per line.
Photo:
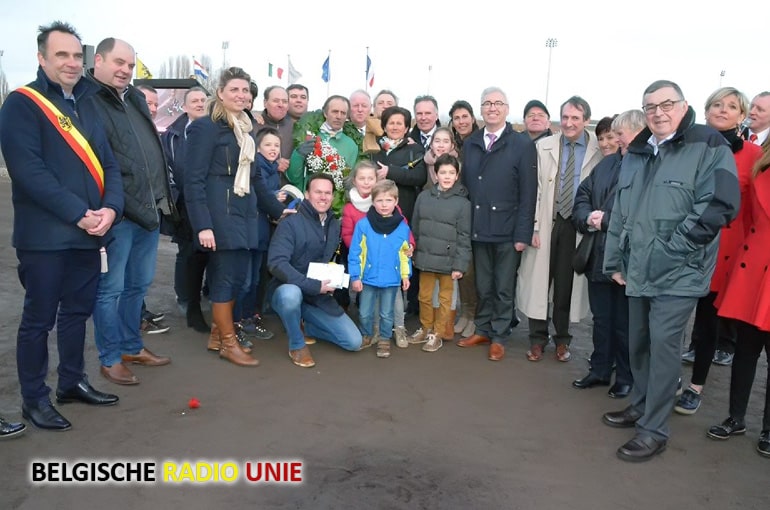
column 500, row 172
column 677, row 189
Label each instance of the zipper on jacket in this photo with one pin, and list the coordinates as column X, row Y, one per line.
column 227, row 203
column 146, row 163
column 227, row 157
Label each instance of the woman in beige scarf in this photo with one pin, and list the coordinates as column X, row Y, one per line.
column 221, row 199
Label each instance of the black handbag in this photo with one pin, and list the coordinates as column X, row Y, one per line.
column 583, row 253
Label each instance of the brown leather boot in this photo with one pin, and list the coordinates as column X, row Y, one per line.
column 231, row 351
column 229, row 348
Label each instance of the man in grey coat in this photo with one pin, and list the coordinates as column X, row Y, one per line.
column 677, row 188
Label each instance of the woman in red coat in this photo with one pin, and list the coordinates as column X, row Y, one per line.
column 726, row 109
column 746, row 299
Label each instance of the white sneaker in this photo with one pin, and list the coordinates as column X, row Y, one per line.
column 400, row 334
column 433, row 344
column 418, row 337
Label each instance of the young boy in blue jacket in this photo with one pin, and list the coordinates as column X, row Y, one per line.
column 379, row 263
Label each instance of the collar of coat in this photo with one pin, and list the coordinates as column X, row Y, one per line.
column 640, row 145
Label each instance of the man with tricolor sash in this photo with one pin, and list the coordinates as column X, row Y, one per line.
column 67, row 193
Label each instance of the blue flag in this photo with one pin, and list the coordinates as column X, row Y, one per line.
column 325, row 74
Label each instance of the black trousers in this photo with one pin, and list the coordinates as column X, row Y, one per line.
column 749, row 345
column 496, row 265
column 708, row 332
column 560, row 275
column 609, row 306
column 707, row 322
column 60, row 289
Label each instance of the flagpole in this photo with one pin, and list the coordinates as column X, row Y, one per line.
column 430, row 71
column 288, row 69
column 366, row 72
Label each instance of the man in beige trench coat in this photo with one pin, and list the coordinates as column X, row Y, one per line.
column 546, row 273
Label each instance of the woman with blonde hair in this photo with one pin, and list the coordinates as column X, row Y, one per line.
column 726, row 108
column 222, row 188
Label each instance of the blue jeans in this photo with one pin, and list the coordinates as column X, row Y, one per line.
column 291, row 308
column 131, row 256
column 366, row 309
column 246, row 302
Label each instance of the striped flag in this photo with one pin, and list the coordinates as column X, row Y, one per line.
column 274, row 71
column 369, row 72
column 200, row 70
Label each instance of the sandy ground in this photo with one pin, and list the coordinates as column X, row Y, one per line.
column 435, row 431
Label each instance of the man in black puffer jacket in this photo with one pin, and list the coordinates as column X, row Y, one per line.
column 133, row 250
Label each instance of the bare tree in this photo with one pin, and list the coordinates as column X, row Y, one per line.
column 3, row 87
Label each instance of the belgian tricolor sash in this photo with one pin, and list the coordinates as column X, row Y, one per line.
column 70, row 133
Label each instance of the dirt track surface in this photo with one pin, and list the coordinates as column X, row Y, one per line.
column 435, row 431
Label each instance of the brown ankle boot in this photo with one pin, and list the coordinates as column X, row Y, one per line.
column 214, row 341
column 221, row 325
column 232, row 352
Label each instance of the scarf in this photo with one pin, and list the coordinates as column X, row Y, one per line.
column 388, row 144
column 383, row 225
column 360, row 203
column 241, row 128
column 732, row 137
column 430, row 162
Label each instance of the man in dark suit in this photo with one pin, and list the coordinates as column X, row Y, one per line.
column 500, row 172
column 66, row 195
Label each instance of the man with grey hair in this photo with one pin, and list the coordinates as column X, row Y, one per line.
column 759, row 119
column 677, row 188
column 426, row 120
column 190, row 263
column 500, row 172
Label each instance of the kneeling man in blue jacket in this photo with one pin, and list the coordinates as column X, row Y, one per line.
column 311, row 235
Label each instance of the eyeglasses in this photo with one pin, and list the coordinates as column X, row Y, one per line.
column 490, row 104
column 665, row 106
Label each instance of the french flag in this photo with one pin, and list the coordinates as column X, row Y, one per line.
column 369, row 72
column 200, row 70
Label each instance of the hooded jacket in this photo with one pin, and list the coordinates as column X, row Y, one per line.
column 442, row 228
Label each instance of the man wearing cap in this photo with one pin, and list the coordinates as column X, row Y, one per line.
column 537, row 120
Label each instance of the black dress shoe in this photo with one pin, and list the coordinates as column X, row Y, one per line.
column 44, row 415
column 84, row 392
column 641, row 448
column 10, row 429
column 622, row 419
column 589, row 381
column 619, row 390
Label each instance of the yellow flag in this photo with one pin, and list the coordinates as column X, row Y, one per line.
column 142, row 72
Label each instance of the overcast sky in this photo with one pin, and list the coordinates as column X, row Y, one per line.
column 607, row 52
